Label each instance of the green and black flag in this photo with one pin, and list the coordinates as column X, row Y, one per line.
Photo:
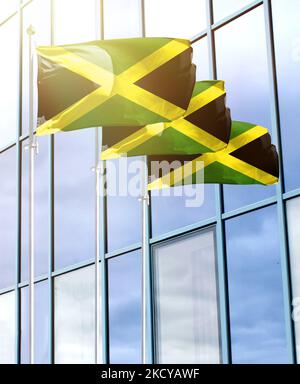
column 120, row 82
column 250, row 158
column 205, row 127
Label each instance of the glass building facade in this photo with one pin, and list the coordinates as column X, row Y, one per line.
column 225, row 277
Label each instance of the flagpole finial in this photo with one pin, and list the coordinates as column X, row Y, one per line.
column 30, row 30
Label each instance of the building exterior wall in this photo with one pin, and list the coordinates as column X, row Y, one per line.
column 225, row 276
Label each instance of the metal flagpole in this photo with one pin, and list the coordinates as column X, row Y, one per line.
column 32, row 150
column 99, row 252
column 145, row 203
column 97, row 255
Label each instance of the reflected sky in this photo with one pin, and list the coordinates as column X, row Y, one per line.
column 255, row 289
column 187, row 329
column 293, row 213
column 124, row 214
column 173, row 18
column 7, row 7
column 200, row 59
column 37, row 14
column 81, row 25
column 225, row 8
column 7, row 328
column 245, row 71
column 74, row 197
column 41, row 318
column 9, row 74
column 75, row 317
column 125, row 308
column 122, row 23
column 287, row 43
column 8, row 214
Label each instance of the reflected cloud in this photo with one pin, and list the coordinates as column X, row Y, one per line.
column 186, row 301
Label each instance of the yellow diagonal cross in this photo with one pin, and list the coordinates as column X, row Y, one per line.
column 111, row 85
column 181, row 125
column 224, row 157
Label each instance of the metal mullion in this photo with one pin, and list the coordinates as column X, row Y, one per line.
column 19, row 199
column 148, row 348
column 102, row 222
column 220, row 230
column 281, row 208
column 51, row 222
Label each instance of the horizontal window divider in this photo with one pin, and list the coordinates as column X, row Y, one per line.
column 198, row 37
column 243, row 11
column 15, row 12
column 122, row 251
column 7, row 147
column 3, row 291
column 184, row 230
column 250, row 208
column 72, row 268
column 292, row 194
column 37, row 280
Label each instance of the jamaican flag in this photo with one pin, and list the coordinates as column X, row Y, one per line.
column 114, row 82
column 205, row 127
column 250, row 158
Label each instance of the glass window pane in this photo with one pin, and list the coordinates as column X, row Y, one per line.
column 201, row 59
column 244, row 68
column 41, row 208
column 75, row 317
column 175, row 18
column 186, row 300
column 181, row 207
column 287, row 42
column 255, row 289
column 41, row 325
column 9, row 80
column 75, row 21
column 225, row 8
column 38, row 15
column 8, row 225
column 293, row 213
column 121, row 19
column 7, row 8
column 74, row 197
column 7, row 328
column 124, row 219
column 125, row 308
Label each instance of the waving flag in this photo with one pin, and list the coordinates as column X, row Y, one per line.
column 205, row 127
column 250, row 158
column 114, row 82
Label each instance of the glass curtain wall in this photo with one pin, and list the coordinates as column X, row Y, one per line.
column 234, row 259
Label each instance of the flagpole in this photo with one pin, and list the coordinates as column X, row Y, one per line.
column 145, row 204
column 145, row 207
column 100, row 267
column 32, row 150
column 97, row 255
